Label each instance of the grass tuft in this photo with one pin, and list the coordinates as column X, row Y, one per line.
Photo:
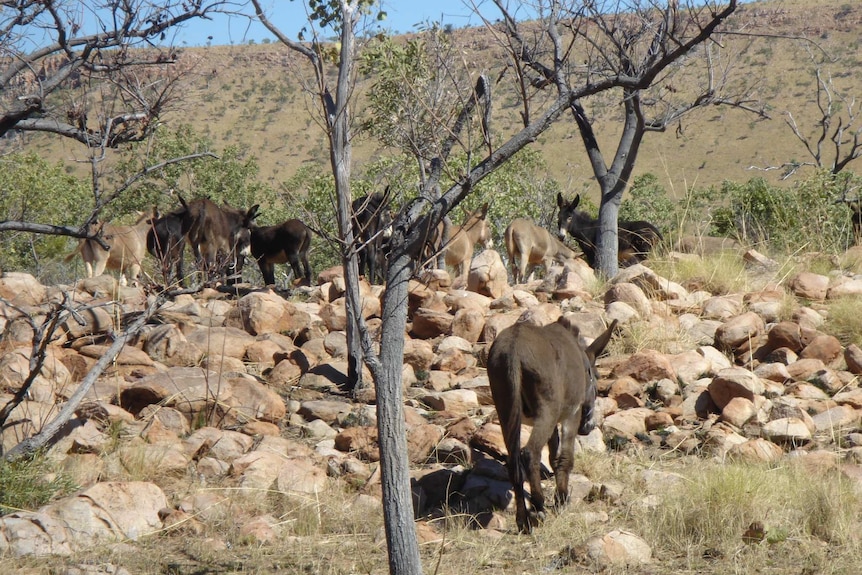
column 30, row 483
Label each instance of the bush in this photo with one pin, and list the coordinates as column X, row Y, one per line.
column 35, row 191
column 647, row 200
column 805, row 217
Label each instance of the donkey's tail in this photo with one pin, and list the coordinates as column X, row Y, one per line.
column 512, row 424
column 73, row 253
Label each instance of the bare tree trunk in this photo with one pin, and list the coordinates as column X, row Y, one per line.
column 401, row 538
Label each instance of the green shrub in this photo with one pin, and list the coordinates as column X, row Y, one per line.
column 807, row 216
column 33, row 190
column 647, row 200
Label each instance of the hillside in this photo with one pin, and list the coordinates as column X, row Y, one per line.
column 252, row 96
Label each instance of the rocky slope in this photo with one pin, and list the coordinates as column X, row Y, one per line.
column 248, row 392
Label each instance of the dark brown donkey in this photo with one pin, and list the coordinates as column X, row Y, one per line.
column 219, row 236
column 547, row 377
column 635, row 238
column 287, row 242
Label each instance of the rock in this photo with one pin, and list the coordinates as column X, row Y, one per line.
column 301, row 475
column 734, row 382
column 110, row 510
column 809, row 285
column 757, row 450
column 419, row 353
column 251, row 400
column 468, row 324
column 845, row 288
column 790, row 430
column 488, row 275
column 428, row 323
column 630, row 294
column 738, row 411
column 227, row 341
column 646, row 367
column 853, row 358
column 188, row 389
column 826, row 348
column 618, row 549
column 738, row 330
column 36, row 534
column 21, row 289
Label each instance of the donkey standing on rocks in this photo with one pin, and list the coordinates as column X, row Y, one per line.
column 547, row 377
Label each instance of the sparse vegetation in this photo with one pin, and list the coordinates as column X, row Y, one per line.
column 30, row 483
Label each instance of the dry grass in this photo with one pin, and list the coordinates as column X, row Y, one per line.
column 844, row 321
column 719, row 274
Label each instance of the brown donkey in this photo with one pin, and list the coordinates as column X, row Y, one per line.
column 462, row 239
column 531, row 245
column 547, row 377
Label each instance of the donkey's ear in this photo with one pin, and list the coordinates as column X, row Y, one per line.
column 598, row 345
column 484, row 211
column 576, row 201
column 252, row 213
column 560, row 201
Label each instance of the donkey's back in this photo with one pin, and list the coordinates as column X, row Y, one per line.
column 544, row 375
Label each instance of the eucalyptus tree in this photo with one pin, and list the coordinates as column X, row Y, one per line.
column 657, row 60
column 467, row 149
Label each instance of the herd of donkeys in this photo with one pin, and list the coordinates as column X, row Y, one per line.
column 221, row 237
column 543, row 373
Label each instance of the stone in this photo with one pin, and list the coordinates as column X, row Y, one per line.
column 646, row 367
column 618, row 549
column 790, row 430
column 738, row 330
column 110, row 510
column 738, row 411
column 824, row 347
column 630, row 294
column 21, row 289
column 853, row 358
column 488, row 275
column 809, row 285
column 734, row 382
column 301, row 475
column 428, row 323
column 757, row 450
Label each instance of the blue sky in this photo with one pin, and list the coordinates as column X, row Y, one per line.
column 402, row 16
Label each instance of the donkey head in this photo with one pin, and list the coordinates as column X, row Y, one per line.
column 567, row 210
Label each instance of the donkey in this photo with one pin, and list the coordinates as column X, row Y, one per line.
column 128, row 248
column 458, row 251
column 636, row 238
column 544, row 374
column 532, row 245
column 287, row 242
column 214, row 231
column 371, row 222
column 166, row 243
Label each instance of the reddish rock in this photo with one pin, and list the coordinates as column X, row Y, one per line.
column 428, row 323
column 738, row 330
column 809, row 285
column 853, row 358
column 826, row 348
column 734, row 382
column 646, row 367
